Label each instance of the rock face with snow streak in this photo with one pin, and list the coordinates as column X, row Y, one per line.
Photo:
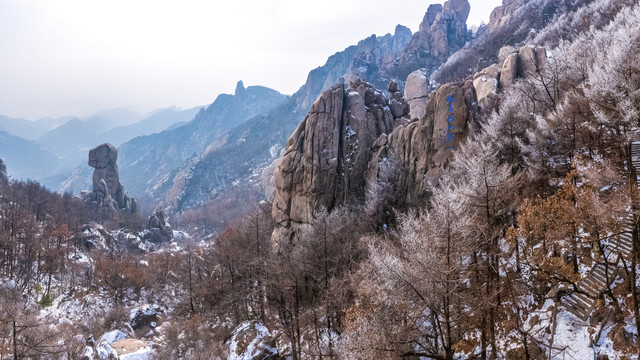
column 328, row 154
column 4, row 177
column 252, row 340
column 485, row 85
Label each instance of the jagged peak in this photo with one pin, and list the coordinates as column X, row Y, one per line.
column 401, row 29
column 240, row 89
column 460, row 8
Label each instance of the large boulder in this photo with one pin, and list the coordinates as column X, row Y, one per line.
column 416, row 92
column 486, row 82
column 144, row 317
column 328, row 154
column 492, row 70
column 159, row 230
column 485, row 86
column 509, row 71
column 527, row 64
column 4, row 177
column 104, row 351
column 133, row 349
column 504, row 52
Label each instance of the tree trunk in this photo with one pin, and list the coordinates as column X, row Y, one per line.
column 15, row 341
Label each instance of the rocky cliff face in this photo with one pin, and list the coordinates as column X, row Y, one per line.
column 370, row 59
column 442, row 32
column 421, row 148
column 338, row 151
column 327, row 156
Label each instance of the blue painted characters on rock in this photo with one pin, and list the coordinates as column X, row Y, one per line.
column 448, row 134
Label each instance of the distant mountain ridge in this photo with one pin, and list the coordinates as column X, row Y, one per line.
column 26, row 159
column 30, row 130
column 147, row 162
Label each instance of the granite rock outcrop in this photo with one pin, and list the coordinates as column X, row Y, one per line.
column 525, row 62
column 336, row 154
column 107, row 201
column 422, row 148
column 158, row 227
column 328, row 154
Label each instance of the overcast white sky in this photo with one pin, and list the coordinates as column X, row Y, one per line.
column 75, row 57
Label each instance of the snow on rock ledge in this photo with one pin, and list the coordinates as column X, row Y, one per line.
column 252, row 340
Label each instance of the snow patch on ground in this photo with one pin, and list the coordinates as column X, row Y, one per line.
column 113, row 336
column 572, row 335
column 237, row 348
column 105, row 351
column 180, row 235
column 142, row 354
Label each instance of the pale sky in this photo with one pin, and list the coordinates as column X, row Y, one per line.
column 76, row 57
